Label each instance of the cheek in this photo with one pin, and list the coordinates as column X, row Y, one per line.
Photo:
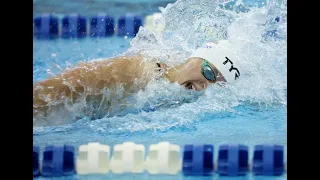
column 185, row 76
column 182, row 78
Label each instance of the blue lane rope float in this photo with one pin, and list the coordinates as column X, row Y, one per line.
column 233, row 160
column 101, row 25
column 58, row 161
column 198, row 160
column 36, row 166
column 268, row 160
column 46, row 26
column 74, row 26
column 129, row 24
column 163, row 158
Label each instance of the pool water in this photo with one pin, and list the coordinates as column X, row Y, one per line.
column 252, row 113
column 248, row 124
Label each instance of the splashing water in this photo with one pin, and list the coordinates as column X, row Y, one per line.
column 258, row 35
column 263, row 58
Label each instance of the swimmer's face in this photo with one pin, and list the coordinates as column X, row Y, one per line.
column 191, row 77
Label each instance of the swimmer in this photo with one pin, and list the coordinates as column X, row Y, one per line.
column 97, row 82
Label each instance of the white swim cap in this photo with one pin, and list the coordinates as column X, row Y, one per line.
column 222, row 57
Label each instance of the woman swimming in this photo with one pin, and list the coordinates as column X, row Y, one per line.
column 105, row 83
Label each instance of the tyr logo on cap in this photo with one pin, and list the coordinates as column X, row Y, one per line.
column 237, row 73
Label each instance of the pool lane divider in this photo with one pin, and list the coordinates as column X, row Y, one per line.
column 76, row 26
column 162, row 158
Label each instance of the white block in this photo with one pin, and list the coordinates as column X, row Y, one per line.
column 93, row 158
column 128, row 158
column 164, row 158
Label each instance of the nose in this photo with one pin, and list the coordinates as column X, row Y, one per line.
column 203, row 85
